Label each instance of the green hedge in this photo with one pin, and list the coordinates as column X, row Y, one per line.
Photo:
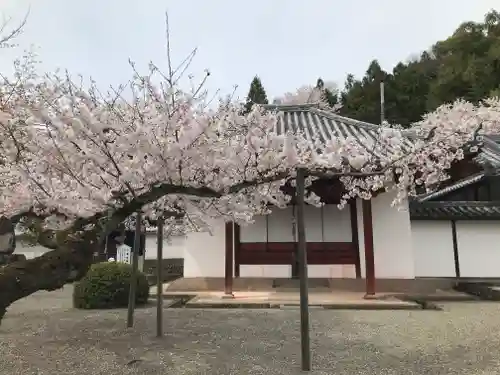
column 106, row 285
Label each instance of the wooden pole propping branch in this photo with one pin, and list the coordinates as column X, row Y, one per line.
column 133, row 276
column 302, row 262
column 159, row 279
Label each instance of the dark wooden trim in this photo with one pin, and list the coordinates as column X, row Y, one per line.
column 455, row 247
column 354, row 232
column 267, row 227
column 369, row 251
column 228, row 274
column 237, row 243
column 284, row 253
column 286, row 247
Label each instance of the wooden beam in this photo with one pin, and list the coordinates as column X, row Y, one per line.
column 355, row 234
column 369, row 251
column 228, row 275
column 237, row 247
column 455, row 247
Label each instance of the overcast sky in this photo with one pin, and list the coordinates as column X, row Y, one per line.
column 288, row 43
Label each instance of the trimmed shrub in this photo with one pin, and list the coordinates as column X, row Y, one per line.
column 106, row 286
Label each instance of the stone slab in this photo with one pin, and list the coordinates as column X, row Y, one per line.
column 254, row 300
column 440, row 296
column 167, row 302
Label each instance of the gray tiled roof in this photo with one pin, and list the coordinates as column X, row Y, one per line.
column 489, row 155
column 319, row 125
column 448, row 189
column 455, row 210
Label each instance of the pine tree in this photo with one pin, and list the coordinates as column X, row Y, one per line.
column 256, row 94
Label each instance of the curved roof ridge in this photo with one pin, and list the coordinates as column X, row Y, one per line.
column 290, row 107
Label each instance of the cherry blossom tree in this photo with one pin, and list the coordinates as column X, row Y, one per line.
column 8, row 34
column 308, row 94
column 77, row 162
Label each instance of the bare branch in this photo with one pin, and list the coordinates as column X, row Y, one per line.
column 14, row 33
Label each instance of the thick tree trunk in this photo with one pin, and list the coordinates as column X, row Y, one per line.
column 49, row 272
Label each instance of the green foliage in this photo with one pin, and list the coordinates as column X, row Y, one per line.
column 256, row 94
column 106, row 285
column 465, row 65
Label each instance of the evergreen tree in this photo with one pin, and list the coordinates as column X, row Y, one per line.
column 256, row 94
column 465, row 65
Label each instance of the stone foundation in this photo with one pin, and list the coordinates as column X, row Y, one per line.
column 172, row 268
column 347, row 285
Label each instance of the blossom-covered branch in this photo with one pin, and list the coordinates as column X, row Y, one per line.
column 75, row 156
column 84, row 154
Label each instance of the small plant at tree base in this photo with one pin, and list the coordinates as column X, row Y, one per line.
column 106, row 286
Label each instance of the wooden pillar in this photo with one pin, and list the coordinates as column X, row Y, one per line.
column 228, row 275
column 237, row 241
column 355, row 235
column 369, row 251
column 455, row 248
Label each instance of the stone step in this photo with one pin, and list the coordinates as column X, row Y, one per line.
column 483, row 290
column 284, row 284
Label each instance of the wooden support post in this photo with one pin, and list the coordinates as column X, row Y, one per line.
column 237, row 241
column 369, row 251
column 455, row 248
column 133, row 276
column 159, row 278
column 228, row 275
column 355, row 234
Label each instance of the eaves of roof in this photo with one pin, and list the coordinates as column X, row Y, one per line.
column 448, row 189
column 455, row 210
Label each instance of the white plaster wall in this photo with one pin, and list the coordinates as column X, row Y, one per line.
column 336, row 224
column 392, row 240
column 275, row 227
column 328, row 224
column 331, row 271
column 279, row 225
column 204, row 253
column 335, row 227
column 479, row 248
column 269, row 270
column 30, row 252
column 433, row 248
column 255, row 232
column 174, row 248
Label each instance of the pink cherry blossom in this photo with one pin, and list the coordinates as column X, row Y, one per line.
column 71, row 153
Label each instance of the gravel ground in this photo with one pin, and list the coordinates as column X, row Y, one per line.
column 43, row 335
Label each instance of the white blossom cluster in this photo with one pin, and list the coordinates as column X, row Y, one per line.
column 70, row 153
column 308, row 94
